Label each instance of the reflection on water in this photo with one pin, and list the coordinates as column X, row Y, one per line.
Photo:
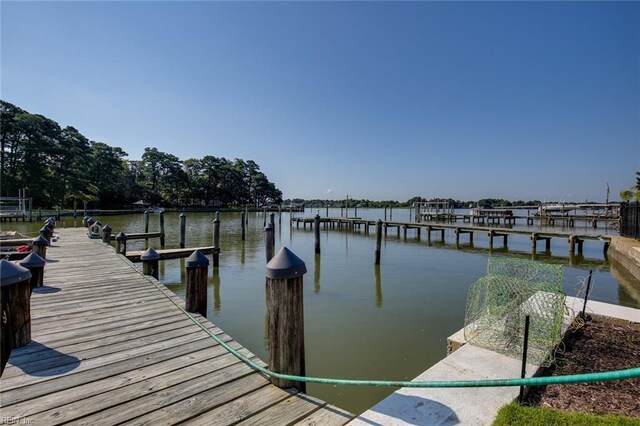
column 353, row 330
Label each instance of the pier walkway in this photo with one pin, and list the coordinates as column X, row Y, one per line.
column 110, row 347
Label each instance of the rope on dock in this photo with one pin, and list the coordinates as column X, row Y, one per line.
column 630, row 373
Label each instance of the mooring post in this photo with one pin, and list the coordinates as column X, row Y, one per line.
column 246, row 215
column 161, row 228
column 150, row 259
column 572, row 245
column 45, row 233
column 385, row 212
column 534, row 242
column 35, row 265
column 106, row 234
column 75, row 211
column 242, row 225
column 145, row 215
column 273, row 223
column 268, row 241
column 39, row 245
column 285, row 317
column 391, row 213
column 491, row 234
column 316, row 232
column 216, row 240
column 15, row 324
column 58, row 213
column 326, row 210
column 39, row 214
column 85, row 206
column 197, row 266
column 121, row 243
column 183, row 229
column 378, row 241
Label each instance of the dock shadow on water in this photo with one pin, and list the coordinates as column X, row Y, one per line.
column 37, row 359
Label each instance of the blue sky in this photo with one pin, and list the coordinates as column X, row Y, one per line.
column 377, row 100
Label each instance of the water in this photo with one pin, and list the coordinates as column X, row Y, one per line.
column 361, row 321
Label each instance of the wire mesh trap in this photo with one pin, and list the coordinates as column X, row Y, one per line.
column 498, row 303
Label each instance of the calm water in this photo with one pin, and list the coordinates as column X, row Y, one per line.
column 361, row 321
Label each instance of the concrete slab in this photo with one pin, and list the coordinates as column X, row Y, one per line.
column 469, row 406
column 451, row 406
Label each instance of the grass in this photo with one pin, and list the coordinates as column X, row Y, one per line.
column 515, row 414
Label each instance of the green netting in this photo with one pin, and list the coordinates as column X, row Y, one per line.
column 498, row 303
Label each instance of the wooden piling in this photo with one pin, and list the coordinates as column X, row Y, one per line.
column 106, row 234
column 146, row 224
column 121, row 243
column 316, row 232
column 268, row 241
column 197, row 271
column 216, row 240
column 285, row 317
column 15, row 298
column 162, row 228
column 150, row 260
column 183, row 229
column 534, row 242
column 378, row 242
column 273, row 224
column 39, row 245
column 35, row 265
column 242, row 225
column 85, row 207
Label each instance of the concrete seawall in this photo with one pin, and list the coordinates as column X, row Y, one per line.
column 626, row 252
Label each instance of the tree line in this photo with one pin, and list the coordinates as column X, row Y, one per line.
column 58, row 166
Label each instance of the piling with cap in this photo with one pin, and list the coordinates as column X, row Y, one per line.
column 45, row 233
column 150, row 259
column 15, row 298
column 197, row 271
column 285, row 317
column 269, row 244
column 216, row 240
column 35, row 265
column 106, row 234
column 39, row 245
column 146, row 223
column 121, row 243
column 183, row 229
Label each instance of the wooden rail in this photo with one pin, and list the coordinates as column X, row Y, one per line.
column 110, row 346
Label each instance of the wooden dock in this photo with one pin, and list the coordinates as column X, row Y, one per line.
column 109, row 347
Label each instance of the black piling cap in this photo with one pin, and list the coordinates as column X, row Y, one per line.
column 150, row 254
column 196, row 260
column 40, row 241
column 10, row 273
column 44, row 230
column 285, row 265
column 182, row 215
column 107, row 228
column 269, row 227
column 121, row 237
column 91, row 221
column 32, row 261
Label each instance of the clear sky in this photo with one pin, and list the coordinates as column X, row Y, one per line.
column 377, row 100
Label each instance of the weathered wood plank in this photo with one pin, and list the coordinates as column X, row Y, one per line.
column 285, row 412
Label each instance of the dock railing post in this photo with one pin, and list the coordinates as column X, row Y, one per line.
column 197, row 268
column 39, row 245
column 106, row 234
column 273, row 224
column 216, row 240
column 15, row 292
column 269, row 241
column 378, row 241
column 183, row 229
column 150, row 259
column 316, row 232
column 35, row 265
column 121, row 243
column 285, row 317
